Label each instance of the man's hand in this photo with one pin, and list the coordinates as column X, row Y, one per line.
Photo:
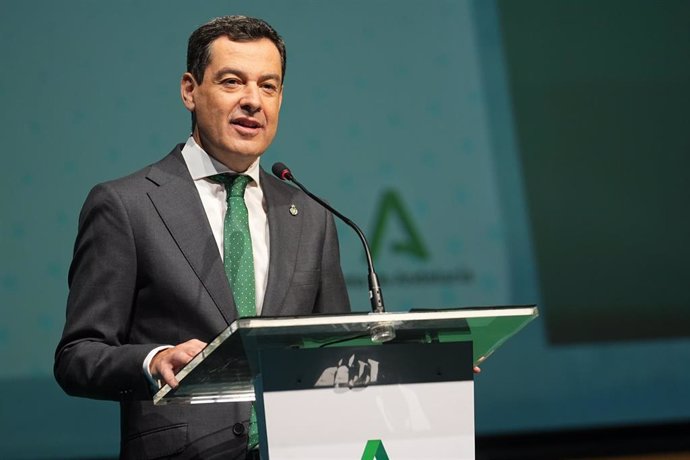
column 167, row 362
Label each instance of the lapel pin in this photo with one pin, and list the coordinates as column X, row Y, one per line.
column 293, row 210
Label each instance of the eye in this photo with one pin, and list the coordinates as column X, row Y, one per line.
column 231, row 82
column 270, row 88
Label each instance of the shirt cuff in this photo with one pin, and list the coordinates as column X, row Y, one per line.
column 155, row 383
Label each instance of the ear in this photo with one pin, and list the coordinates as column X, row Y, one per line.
column 187, row 87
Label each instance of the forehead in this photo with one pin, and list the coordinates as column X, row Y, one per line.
column 261, row 56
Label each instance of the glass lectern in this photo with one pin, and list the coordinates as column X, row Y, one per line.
column 326, row 386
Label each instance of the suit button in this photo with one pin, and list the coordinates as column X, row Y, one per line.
column 238, row 429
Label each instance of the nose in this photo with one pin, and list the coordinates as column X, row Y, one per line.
column 251, row 99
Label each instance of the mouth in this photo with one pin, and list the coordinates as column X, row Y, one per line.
column 246, row 125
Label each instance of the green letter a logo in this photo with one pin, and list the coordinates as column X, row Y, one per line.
column 374, row 450
column 391, row 205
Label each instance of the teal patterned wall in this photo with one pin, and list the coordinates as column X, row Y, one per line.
column 399, row 113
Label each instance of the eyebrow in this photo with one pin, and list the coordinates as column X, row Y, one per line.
column 227, row 70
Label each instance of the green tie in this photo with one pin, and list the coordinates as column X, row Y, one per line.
column 237, row 245
column 239, row 259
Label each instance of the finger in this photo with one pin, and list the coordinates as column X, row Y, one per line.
column 168, row 376
column 179, row 358
column 476, row 369
column 192, row 347
column 197, row 343
column 170, row 360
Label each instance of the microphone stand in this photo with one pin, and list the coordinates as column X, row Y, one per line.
column 379, row 332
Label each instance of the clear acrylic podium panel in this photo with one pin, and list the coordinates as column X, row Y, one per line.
column 225, row 369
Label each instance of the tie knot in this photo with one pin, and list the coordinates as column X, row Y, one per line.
column 234, row 185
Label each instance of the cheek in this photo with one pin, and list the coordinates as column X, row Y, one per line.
column 219, row 106
column 272, row 114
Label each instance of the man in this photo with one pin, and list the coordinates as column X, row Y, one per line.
column 149, row 282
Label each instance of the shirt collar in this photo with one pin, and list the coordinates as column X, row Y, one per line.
column 201, row 165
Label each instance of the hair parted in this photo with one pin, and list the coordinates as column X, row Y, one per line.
column 236, row 28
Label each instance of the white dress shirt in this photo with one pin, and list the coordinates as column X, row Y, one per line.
column 201, row 166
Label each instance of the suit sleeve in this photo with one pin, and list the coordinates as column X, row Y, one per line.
column 332, row 296
column 93, row 358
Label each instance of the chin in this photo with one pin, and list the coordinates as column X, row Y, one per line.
column 245, row 155
column 249, row 151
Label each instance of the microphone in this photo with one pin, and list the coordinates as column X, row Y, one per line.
column 282, row 172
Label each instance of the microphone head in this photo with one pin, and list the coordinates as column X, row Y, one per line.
column 281, row 171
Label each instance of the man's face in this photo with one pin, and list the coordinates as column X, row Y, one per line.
column 238, row 102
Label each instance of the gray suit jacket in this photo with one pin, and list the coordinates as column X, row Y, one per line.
column 146, row 272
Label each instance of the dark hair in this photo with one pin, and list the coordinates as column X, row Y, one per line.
column 236, row 28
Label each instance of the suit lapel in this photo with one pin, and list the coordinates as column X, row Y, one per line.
column 177, row 202
column 284, row 234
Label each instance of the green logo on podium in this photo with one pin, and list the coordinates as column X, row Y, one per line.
column 374, row 450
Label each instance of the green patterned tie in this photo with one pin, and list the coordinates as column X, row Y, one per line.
column 239, row 259
column 237, row 244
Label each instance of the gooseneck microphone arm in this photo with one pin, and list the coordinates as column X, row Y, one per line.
column 282, row 172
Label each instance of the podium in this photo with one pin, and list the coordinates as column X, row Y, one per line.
column 327, row 386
